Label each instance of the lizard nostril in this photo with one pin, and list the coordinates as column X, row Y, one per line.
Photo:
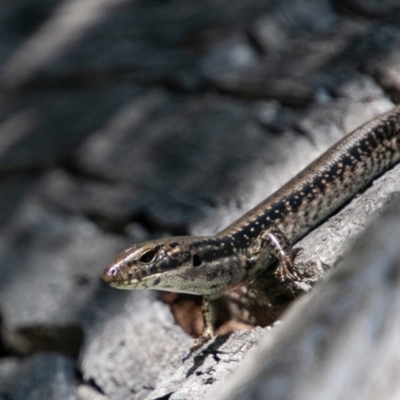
column 111, row 274
column 113, row 271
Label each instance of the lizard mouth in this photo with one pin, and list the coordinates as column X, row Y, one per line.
column 117, row 277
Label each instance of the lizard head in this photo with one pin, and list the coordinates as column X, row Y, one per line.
column 156, row 264
column 186, row 264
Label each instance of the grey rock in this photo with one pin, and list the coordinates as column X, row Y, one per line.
column 45, row 258
column 173, row 156
column 40, row 130
column 45, row 376
column 132, row 346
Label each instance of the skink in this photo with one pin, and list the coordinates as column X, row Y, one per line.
column 212, row 265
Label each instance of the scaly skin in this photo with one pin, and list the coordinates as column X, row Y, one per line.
column 212, row 265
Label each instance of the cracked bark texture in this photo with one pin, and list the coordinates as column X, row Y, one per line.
column 122, row 121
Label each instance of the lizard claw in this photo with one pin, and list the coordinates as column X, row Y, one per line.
column 204, row 338
column 286, row 269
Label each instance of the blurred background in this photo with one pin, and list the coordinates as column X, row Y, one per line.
column 125, row 120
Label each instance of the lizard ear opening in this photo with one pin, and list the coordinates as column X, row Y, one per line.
column 147, row 257
column 197, row 260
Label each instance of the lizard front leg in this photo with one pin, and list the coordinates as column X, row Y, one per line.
column 208, row 314
column 283, row 251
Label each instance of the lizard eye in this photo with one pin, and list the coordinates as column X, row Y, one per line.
column 147, row 257
column 197, row 260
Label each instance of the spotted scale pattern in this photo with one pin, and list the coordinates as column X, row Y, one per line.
column 326, row 184
column 209, row 266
